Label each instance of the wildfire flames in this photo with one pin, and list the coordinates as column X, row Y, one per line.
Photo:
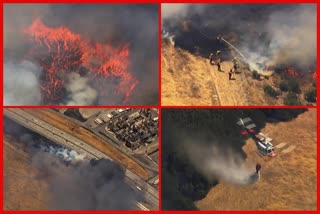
column 292, row 72
column 60, row 51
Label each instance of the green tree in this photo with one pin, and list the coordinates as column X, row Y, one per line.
column 283, row 85
column 291, row 99
column 310, row 95
column 293, row 86
column 270, row 91
column 255, row 75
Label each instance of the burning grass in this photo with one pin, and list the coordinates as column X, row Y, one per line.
column 59, row 52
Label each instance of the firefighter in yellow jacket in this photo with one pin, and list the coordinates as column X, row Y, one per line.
column 235, row 64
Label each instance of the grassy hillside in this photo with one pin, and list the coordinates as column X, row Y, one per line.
column 182, row 183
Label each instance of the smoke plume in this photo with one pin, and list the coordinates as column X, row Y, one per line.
column 80, row 92
column 21, row 86
column 74, row 181
column 116, row 24
column 294, row 36
column 217, row 162
column 89, row 185
column 173, row 10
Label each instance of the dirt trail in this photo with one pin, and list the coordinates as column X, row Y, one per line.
column 188, row 79
column 85, row 135
column 288, row 181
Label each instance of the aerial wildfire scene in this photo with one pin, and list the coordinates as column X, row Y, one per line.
column 83, row 106
column 239, row 159
column 80, row 54
column 238, row 54
column 81, row 159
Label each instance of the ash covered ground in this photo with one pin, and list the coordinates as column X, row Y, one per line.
column 57, row 54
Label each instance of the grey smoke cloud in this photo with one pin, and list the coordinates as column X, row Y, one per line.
column 81, row 185
column 217, row 161
column 21, row 85
column 173, row 10
column 94, row 185
column 80, row 92
column 136, row 25
column 294, row 35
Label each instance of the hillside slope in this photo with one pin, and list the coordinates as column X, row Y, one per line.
column 188, row 79
column 288, row 181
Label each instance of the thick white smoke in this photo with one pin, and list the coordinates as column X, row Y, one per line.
column 173, row 10
column 43, row 146
column 292, row 39
column 217, row 162
column 80, row 92
column 21, row 86
column 294, row 36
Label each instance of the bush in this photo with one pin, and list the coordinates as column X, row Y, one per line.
column 195, row 89
column 270, row 91
column 283, row 85
column 310, row 95
column 293, row 86
column 314, row 83
column 255, row 75
column 291, row 99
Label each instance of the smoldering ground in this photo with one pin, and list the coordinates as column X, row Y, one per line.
column 136, row 25
column 266, row 33
column 82, row 185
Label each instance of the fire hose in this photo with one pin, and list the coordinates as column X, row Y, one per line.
column 220, row 38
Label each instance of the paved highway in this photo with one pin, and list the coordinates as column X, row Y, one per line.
column 63, row 138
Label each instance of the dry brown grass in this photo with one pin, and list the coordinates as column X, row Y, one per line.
column 288, row 181
column 181, row 69
column 22, row 189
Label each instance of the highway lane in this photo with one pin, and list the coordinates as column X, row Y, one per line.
column 67, row 140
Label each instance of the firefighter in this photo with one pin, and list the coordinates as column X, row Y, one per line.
column 235, row 64
column 218, row 63
column 211, row 58
column 218, row 53
column 231, row 74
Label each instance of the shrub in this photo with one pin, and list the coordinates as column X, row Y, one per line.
column 283, row 85
column 310, row 95
column 255, row 75
column 291, row 99
column 195, row 89
column 293, row 86
column 270, row 91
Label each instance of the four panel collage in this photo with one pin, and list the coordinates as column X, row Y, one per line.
column 159, row 106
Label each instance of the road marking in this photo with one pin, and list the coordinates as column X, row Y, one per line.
column 280, row 145
column 142, row 207
column 289, row 149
